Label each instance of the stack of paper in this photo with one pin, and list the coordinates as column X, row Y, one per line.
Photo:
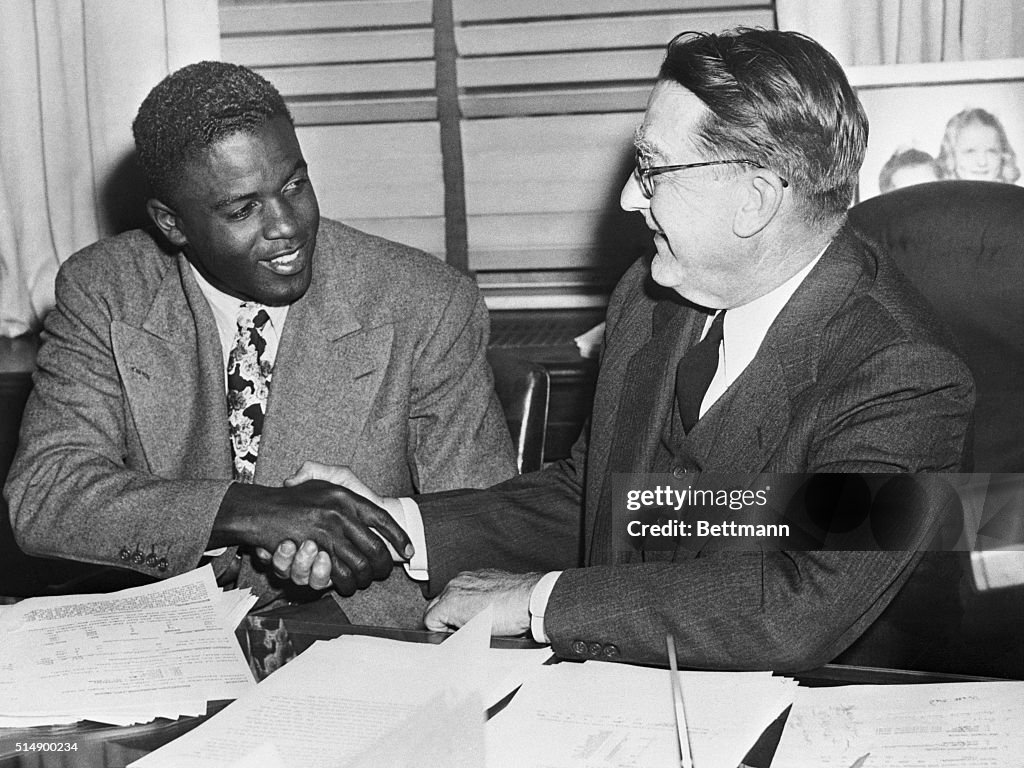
column 162, row 650
column 363, row 699
column 597, row 714
column 361, row 702
column 905, row 726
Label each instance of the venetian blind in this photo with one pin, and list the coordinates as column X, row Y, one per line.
column 359, row 78
column 544, row 94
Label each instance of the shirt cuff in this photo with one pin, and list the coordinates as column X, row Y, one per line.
column 539, row 604
column 406, row 513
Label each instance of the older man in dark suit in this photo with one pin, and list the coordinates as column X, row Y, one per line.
column 182, row 380
column 775, row 341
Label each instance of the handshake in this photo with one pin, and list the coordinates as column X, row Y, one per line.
column 323, row 526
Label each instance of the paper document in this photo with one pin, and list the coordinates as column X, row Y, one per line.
column 589, row 343
column 974, row 725
column 336, row 703
column 161, row 650
column 598, row 715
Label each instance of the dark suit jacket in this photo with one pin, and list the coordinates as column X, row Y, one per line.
column 124, row 444
column 855, row 375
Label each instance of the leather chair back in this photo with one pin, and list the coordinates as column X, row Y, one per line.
column 962, row 245
column 523, row 388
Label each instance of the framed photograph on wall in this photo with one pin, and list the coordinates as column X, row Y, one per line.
column 974, row 109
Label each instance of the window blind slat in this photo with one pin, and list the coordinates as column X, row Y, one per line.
column 611, row 66
column 555, row 101
column 598, row 33
column 256, row 17
column 329, row 47
column 333, row 79
column 347, row 111
column 491, row 10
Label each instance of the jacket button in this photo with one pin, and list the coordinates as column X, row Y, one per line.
column 151, row 560
column 678, row 472
column 594, row 650
column 162, row 564
column 138, row 558
column 579, row 647
column 125, row 554
column 611, row 651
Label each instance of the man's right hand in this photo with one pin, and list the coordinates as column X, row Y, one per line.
column 341, row 523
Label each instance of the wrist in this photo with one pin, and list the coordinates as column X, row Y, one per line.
column 233, row 524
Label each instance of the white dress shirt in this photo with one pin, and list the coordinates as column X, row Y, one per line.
column 225, row 314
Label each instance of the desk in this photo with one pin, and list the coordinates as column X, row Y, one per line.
column 114, row 747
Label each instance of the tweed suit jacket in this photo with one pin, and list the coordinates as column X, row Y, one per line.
column 854, row 375
column 381, row 366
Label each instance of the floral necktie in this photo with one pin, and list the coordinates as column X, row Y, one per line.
column 248, row 385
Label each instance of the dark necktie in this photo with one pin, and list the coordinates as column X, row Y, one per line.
column 695, row 371
column 248, row 382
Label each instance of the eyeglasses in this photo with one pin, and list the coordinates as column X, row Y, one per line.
column 647, row 185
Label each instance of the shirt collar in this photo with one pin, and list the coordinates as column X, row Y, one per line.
column 745, row 327
column 225, row 307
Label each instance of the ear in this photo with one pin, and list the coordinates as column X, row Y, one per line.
column 167, row 220
column 761, row 199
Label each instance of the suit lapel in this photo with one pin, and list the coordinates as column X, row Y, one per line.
column 171, row 369
column 741, row 432
column 637, row 395
column 329, row 367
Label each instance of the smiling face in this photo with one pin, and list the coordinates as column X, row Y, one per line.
column 246, row 216
column 691, row 211
column 978, row 153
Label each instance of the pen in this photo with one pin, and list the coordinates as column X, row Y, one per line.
column 860, row 760
column 683, row 737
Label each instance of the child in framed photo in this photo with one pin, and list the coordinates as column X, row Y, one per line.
column 975, row 146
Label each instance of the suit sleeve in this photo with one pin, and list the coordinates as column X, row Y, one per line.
column 458, row 431
column 907, row 410
column 533, row 522
column 73, row 490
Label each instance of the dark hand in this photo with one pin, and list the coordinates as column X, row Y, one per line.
column 336, row 519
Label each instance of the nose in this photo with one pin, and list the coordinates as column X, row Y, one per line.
column 632, row 198
column 280, row 220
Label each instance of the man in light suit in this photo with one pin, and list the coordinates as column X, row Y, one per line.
column 818, row 357
column 330, row 344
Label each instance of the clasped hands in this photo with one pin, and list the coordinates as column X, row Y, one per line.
column 462, row 598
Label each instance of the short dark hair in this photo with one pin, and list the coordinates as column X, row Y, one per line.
column 905, row 158
column 782, row 100
column 193, row 108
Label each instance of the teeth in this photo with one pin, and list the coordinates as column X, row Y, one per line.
column 286, row 260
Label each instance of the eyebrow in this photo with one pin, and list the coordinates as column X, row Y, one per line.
column 643, row 144
column 300, row 165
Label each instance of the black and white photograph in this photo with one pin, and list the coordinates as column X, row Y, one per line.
column 511, row 384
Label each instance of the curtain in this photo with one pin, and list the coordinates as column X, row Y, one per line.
column 72, row 75
column 909, row 31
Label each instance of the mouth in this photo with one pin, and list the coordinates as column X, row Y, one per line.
column 286, row 263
